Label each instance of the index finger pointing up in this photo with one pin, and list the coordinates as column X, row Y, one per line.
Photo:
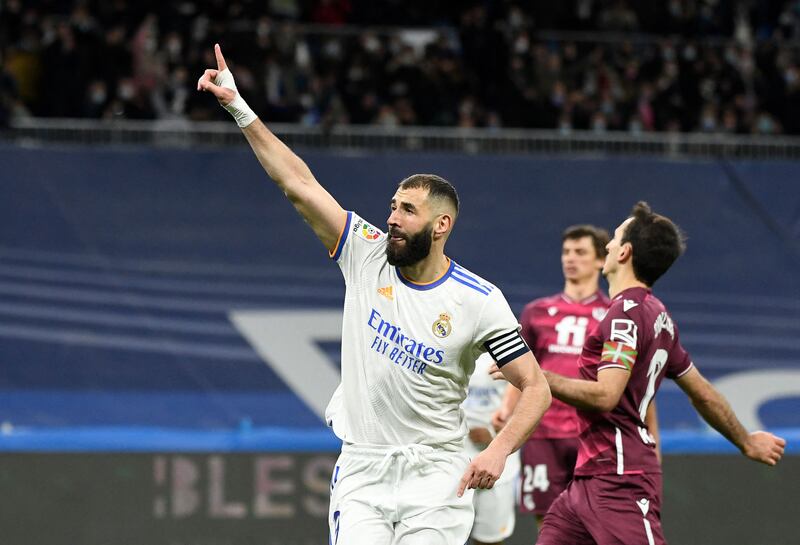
column 220, row 59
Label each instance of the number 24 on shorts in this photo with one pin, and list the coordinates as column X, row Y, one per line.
column 535, row 478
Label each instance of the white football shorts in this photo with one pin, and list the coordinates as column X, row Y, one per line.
column 399, row 496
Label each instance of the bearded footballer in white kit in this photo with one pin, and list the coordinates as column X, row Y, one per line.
column 414, row 324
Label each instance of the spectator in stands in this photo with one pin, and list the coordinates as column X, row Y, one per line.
column 484, row 63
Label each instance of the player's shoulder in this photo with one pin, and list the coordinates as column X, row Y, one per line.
column 361, row 228
column 640, row 303
column 360, row 242
column 659, row 315
column 471, row 282
column 631, row 302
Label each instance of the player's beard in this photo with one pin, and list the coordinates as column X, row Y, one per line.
column 416, row 247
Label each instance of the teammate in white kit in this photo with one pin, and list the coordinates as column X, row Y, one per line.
column 494, row 509
column 414, row 324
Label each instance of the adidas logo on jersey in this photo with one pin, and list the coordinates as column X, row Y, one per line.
column 387, row 292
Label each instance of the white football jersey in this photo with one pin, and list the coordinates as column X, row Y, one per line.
column 409, row 349
column 484, row 397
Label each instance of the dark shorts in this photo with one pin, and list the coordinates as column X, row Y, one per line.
column 606, row 510
column 547, row 466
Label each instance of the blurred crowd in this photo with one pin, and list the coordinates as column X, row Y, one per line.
column 633, row 65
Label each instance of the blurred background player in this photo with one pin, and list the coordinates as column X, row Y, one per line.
column 414, row 323
column 494, row 508
column 615, row 496
column 555, row 327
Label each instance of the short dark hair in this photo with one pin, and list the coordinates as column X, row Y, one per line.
column 657, row 242
column 437, row 187
column 599, row 236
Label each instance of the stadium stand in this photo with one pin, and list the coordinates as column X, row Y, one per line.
column 609, row 66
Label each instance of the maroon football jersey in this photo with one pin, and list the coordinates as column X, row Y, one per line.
column 555, row 328
column 638, row 335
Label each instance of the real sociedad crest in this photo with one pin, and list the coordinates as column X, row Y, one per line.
column 442, row 327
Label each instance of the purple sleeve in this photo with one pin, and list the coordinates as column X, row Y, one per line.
column 620, row 337
column 679, row 360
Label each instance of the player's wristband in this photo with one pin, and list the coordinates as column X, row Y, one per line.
column 238, row 108
column 240, row 111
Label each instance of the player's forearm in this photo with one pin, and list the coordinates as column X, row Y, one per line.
column 280, row 163
column 588, row 395
column 534, row 399
column 317, row 207
column 290, row 173
column 715, row 410
column 510, row 399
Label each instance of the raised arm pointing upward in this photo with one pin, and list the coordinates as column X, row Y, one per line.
column 414, row 323
column 317, row 207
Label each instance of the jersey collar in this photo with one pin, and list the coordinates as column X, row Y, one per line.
column 632, row 292
column 428, row 285
column 585, row 301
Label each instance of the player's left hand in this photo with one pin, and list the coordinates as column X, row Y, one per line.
column 764, row 447
column 483, row 471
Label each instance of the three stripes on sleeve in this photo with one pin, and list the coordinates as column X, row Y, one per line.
column 506, row 347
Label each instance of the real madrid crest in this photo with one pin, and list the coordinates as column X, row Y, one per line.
column 442, row 327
